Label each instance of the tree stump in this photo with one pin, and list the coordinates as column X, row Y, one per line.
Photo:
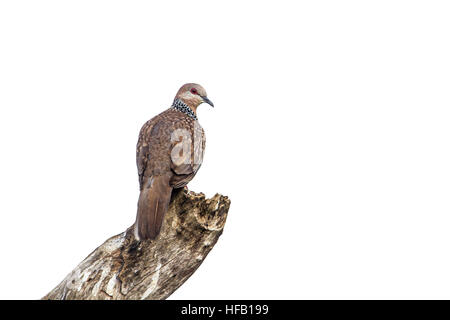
column 125, row 268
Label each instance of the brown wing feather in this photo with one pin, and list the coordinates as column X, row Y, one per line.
column 185, row 172
column 143, row 151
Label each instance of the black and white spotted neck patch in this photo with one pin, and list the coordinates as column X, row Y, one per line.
column 183, row 107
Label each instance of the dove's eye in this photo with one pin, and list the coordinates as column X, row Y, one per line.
column 194, row 91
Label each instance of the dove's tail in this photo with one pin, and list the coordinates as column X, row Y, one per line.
column 152, row 206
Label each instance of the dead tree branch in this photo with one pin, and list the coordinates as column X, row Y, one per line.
column 124, row 268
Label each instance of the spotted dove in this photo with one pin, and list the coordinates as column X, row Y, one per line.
column 169, row 153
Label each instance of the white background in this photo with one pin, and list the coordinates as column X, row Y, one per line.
column 330, row 135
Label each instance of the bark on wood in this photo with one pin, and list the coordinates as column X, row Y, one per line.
column 125, row 268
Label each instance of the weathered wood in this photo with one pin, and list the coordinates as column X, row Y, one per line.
column 124, row 268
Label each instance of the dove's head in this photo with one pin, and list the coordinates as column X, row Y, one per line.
column 193, row 95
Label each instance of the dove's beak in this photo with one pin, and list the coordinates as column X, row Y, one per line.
column 206, row 100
